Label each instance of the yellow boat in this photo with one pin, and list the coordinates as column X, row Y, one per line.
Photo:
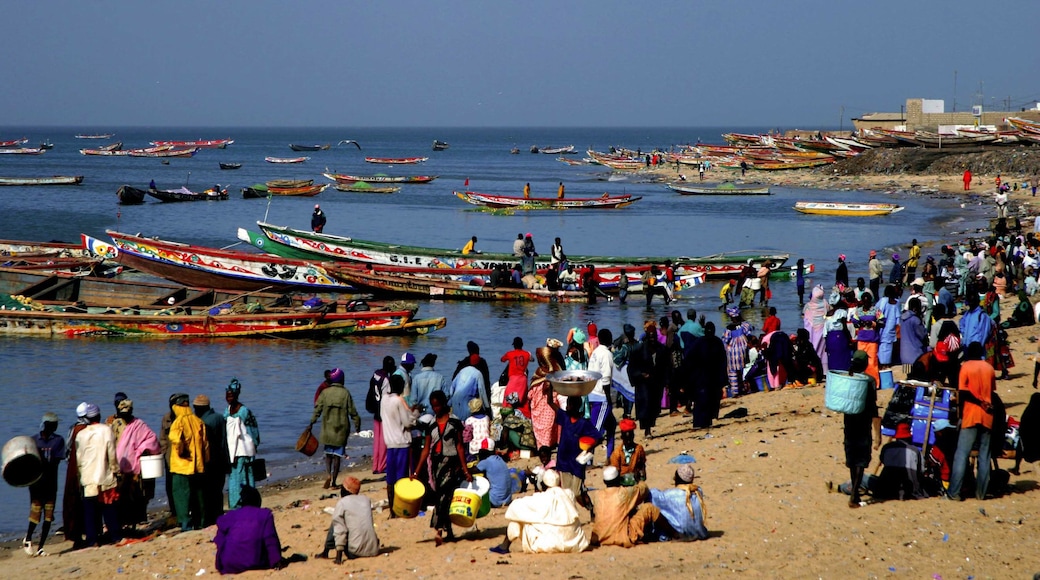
column 846, row 209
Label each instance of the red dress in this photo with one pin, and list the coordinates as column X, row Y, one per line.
column 518, row 360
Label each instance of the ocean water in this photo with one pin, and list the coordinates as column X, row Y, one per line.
column 279, row 376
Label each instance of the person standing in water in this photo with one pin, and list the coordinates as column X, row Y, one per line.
column 318, row 219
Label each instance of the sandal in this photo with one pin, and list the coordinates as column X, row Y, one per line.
column 27, row 546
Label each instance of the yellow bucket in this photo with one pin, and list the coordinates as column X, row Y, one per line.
column 465, row 505
column 408, row 494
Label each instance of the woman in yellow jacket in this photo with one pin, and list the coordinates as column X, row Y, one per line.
column 189, row 452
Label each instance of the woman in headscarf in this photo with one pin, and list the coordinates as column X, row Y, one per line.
column 838, row 341
column 736, row 340
column 779, row 355
column 243, row 439
column 577, row 359
column 814, row 319
column 1022, row 315
column 707, row 372
column 543, row 416
column 136, row 441
column 443, row 447
column 868, row 321
column 841, row 275
column 645, row 377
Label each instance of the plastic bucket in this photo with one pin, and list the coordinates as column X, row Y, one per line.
column 307, row 443
column 846, row 394
column 484, row 489
column 465, row 505
column 152, row 466
column 886, row 379
column 760, row 384
column 22, row 465
column 408, row 494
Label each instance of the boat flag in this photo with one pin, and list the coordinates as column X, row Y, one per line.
column 467, row 183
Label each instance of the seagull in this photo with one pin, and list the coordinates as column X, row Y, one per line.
column 356, row 144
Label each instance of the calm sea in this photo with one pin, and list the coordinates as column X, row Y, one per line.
column 279, row 376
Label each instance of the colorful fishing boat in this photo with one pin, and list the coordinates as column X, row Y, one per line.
column 396, row 160
column 55, row 180
column 441, row 289
column 726, row 188
column 255, row 191
column 301, row 191
column 519, row 202
column 286, row 159
column 202, row 143
column 846, row 209
column 380, row 178
column 13, row 143
column 22, row 151
column 213, row 268
column 323, row 246
column 185, row 194
column 365, row 187
column 95, row 135
column 289, row 182
column 163, row 151
column 557, row 150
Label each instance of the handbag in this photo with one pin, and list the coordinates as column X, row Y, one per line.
column 503, row 378
column 846, row 394
column 258, row 467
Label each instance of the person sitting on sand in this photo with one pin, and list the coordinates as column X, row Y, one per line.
column 545, row 522
column 351, row 531
column 246, row 537
column 682, row 506
column 494, row 468
column 625, row 515
column 629, row 457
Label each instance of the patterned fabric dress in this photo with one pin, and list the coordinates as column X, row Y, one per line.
column 445, row 469
column 736, row 355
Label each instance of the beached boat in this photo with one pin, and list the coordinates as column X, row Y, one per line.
column 202, row 143
column 163, row 151
column 520, row 202
column 379, row 178
column 846, row 209
column 95, row 135
column 337, row 248
column 726, row 188
column 129, row 195
column 19, row 248
column 365, row 187
column 230, row 165
column 213, row 268
column 296, row 147
column 302, row 191
column 55, row 180
column 790, row 164
column 557, row 150
column 286, row 159
column 11, row 143
column 440, row 145
column 396, row 160
column 407, row 285
column 289, row 182
column 22, row 151
column 185, row 194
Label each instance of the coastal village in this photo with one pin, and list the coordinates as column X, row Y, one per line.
column 766, row 471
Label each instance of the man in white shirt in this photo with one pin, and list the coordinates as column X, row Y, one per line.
column 98, row 467
column 601, row 361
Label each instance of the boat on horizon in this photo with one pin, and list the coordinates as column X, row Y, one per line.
column 53, row 180
column 95, row 135
column 286, row 159
column 530, row 203
column 396, row 160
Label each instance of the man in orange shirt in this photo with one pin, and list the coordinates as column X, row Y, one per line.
column 975, row 393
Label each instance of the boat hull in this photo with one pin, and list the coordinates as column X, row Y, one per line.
column 527, row 203
column 847, row 209
column 415, row 286
column 719, row 189
column 56, row 180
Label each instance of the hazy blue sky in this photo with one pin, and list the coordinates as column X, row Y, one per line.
column 488, row 63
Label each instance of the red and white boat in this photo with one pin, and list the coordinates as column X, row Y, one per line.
column 204, row 144
column 22, row 150
column 396, row 160
column 165, row 151
column 13, row 143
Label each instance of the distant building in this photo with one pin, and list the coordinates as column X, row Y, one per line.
column 930, row 115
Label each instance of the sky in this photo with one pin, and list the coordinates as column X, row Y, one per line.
column 535, row 63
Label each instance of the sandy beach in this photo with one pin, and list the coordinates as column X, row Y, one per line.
column 765, row 484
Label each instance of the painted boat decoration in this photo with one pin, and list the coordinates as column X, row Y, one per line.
column 520, row 202
column 346, row 178
column 286, row 159
column 330, row 247
column 55, row 180
column 725, row 188
column 213, row 268
column 846, row 209
column 396, row 160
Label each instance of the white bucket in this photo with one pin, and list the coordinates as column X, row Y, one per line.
column 152, row 466
column 22, row 465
